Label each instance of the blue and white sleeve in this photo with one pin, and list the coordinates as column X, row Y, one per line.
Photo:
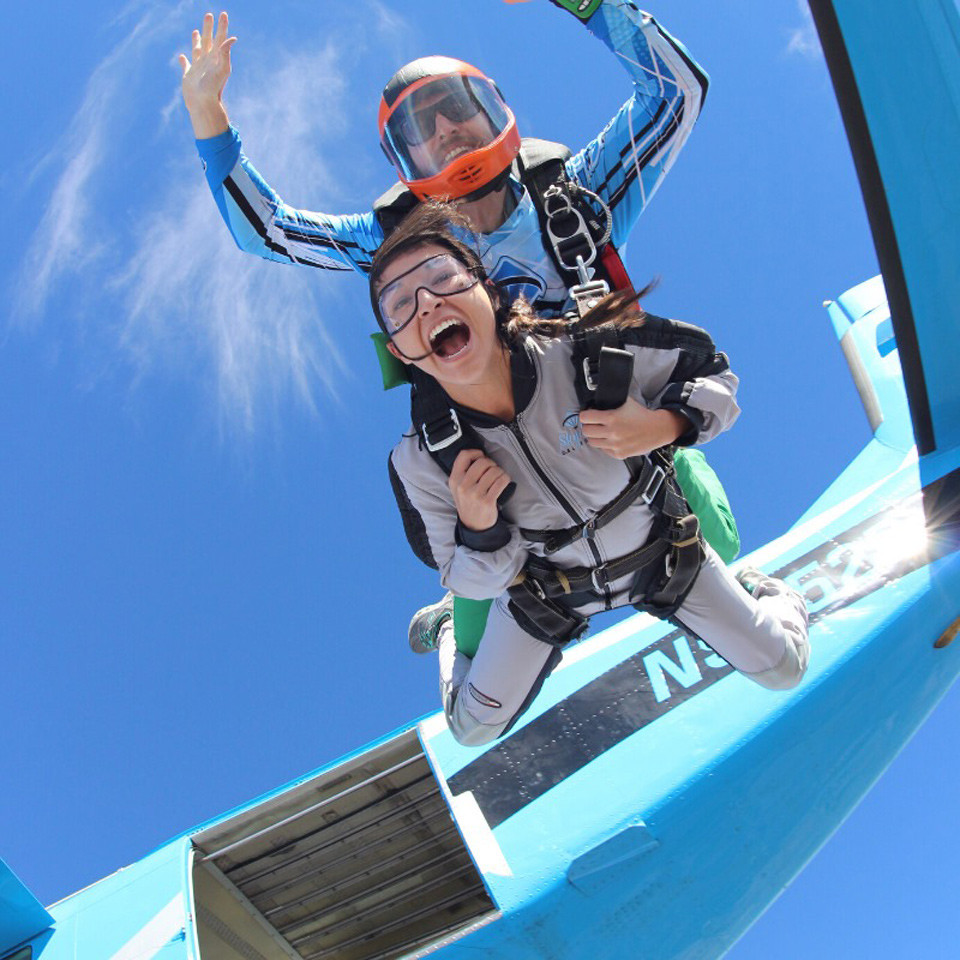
column 628, row 160
column 261, row 223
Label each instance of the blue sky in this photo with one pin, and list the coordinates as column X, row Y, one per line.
column 204, row 588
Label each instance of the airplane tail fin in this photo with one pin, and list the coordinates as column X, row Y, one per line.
column 861, row 319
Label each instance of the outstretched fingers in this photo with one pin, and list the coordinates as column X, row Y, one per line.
column 223, row 24
column 206, row 36
column 205, row 41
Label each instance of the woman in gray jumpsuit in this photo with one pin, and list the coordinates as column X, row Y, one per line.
column 509, row 376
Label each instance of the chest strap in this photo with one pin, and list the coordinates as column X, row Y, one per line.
column 648, row 486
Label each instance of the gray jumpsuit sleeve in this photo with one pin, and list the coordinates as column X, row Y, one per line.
column 430, row 522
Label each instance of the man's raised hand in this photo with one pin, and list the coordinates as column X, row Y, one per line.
column 205, row 74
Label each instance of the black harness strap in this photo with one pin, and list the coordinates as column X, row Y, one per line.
column 663, row 595
column 666, row 566
column 541, row 616
column 393, row 206
column 647, row 486
column 602, row 369
column 440, row 429
column 555, row 582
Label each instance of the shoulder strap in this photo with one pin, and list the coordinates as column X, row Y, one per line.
column 439, row 428
column 541, row 163
column 570, row 225
column 392, row 207
column 602, row 369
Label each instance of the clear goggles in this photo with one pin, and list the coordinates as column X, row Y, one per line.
column 442, row 275
column 413, row 124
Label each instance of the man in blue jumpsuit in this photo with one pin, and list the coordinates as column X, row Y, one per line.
column 449, row 134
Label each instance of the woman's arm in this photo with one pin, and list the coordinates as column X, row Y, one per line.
column 679, row 368
column 633, row 429
column 477, row 564
column 683, row 391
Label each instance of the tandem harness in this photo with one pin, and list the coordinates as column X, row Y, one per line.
column 575, row 227
column 574, row 222
column 665, row 567
column 543, row 596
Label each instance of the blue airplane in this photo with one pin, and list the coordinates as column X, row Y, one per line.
column 652, row 802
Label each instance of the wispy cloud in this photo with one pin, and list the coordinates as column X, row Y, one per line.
column 803, row 40
column 130, row 229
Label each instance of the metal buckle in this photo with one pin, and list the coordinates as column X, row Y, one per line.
column 446, row 441
column 536, row 587
column 588, row 376
column 653, row 485
column 588, row 294
column 557, row 204
column 588, row 529
column 595, row 574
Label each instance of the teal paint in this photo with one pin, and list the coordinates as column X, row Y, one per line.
column 905, row 59
column 685, row 670
column 22, row 917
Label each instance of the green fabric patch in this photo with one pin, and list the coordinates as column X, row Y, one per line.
column 469, row 622
column 708, row 500
column 584, row 9
column 392, row 370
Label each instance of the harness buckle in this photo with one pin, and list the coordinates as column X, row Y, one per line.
column 653, row 484
column 598, row 578
column 568, row 231
column 536, row 587
column 587, row 294
column 457, row 433
column 588, row 377
column 588, row 529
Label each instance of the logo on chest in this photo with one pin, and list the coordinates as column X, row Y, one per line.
column 571, row 433
column 519, row 279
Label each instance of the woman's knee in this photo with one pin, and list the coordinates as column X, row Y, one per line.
column 790, row 670
column 475, row 725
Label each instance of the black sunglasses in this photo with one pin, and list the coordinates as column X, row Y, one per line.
column 421, row 124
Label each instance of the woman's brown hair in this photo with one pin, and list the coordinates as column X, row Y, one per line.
column 442, row 224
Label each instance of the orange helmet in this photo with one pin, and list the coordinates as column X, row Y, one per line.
column 468, row 149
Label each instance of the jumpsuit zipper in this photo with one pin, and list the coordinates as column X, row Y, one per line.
column 515, row 429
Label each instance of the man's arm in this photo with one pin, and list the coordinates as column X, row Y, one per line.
column 628, row 160
column 256, row 216
column 262, row 223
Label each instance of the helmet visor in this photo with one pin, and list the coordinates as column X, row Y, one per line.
column 442, row 275
column 473, row 116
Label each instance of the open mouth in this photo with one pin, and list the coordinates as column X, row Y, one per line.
column 449, row 339
column 457, row 151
